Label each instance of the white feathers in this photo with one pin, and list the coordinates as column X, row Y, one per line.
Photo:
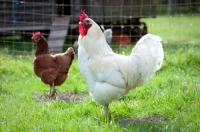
column 108, row 35
column 150, row 47
column 108, row 75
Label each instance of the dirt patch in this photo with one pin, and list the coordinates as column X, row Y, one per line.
column 152, row 119
column 64, row 96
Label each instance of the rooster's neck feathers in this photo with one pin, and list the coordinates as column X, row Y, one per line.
column 93, row 39
column 94, row 42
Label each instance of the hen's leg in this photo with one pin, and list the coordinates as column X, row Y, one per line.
column 49, row 94
column 105, row 109
column 52, row 90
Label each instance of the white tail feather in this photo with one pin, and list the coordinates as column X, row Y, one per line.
column 150, row 52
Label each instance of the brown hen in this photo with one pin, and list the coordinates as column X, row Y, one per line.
column 52, row 69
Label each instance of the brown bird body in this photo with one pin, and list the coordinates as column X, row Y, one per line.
column 52, row 69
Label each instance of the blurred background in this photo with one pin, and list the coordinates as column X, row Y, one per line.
column 176, row 21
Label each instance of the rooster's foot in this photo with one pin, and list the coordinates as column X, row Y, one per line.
column 105, row 109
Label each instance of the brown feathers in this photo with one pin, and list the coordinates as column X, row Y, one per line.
column 52, row 69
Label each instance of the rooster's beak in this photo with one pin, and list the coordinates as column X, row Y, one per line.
column 80, row 23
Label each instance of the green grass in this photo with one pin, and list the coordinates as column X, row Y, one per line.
column 179, row 29
column 172, row 94
column 162, row 9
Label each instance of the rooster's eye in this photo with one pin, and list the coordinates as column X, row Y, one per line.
column 87, row 21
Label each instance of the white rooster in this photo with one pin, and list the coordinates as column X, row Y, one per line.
column 109, row 75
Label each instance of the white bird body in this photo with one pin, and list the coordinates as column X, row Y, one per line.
column 109, row 75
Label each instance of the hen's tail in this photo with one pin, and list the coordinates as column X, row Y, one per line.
column 150, row 54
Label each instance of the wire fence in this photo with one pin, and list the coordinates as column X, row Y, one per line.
column 128, row 20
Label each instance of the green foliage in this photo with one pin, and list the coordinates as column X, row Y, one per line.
column 171, row 95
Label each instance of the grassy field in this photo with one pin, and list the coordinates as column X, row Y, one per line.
column 180, row 29
column 169, row 102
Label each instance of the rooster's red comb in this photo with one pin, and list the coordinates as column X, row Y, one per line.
column 82, row 16
column 36, row 34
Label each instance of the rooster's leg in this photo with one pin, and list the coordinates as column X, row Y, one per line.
column 105, row 109
column 52, row 90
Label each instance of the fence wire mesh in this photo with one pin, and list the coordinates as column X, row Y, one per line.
column 177, row 21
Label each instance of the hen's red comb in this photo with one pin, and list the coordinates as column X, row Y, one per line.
column 82, row 16
column 36, row 34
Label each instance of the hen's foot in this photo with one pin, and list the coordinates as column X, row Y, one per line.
column 52, row 93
